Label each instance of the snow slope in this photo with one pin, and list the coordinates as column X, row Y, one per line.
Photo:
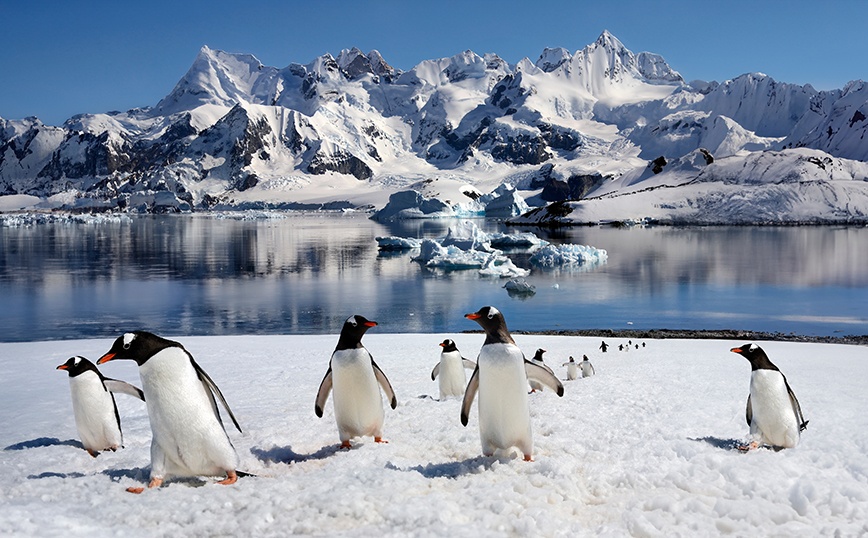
column 644, row 448
column 352, row 130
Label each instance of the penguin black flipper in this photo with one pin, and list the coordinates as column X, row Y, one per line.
column 469, row 395
column 748, row 414
column 325, row 387
column 116, row 385
column 384, row 382
column 469, row 364
column 213, row 390
column 543, row 375
column 435, row 372
column 797, row 409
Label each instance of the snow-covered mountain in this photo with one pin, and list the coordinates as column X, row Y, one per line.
column 353, row 130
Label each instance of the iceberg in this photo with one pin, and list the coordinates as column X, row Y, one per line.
column 393, row 243
column 466, row 235
column 551, row 256
column 519, row 286
column 412, row 205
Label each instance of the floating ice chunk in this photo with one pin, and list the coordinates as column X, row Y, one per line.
column 551, row 256
column 430, row 249
column 412, row 205
column 32, row 219
column 509, row 204
column 527, row 240
column 466, row 235
column 397, row 243
column 502, row 267
column 518, row 286
column 456, row 259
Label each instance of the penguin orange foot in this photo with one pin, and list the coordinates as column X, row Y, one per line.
column 380, row 440
column 231, row 478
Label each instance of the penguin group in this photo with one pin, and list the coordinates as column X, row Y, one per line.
column 190, row 439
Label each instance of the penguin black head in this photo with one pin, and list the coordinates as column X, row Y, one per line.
column 494, row 325
column 78, row 365
column 351, row 333
column 584, row 357
column 538, row 356
column 448, row 345
column 138, row 346
column 572, row 359
column 757, row 357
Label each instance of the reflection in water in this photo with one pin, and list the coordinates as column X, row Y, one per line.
column 181, row 275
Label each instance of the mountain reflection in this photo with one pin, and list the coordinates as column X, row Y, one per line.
column 305, row 273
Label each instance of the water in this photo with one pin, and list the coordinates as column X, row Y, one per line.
column 200, row 275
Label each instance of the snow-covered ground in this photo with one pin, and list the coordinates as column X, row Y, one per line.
column 644, row 448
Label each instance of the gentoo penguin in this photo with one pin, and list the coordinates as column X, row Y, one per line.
column 353, row 377
column 773, row 412
column 572, row 369
column 538, row 360
column 188, row 438
column 96, row 414
column 501, row 378
column 587, row 367
column 451, row 370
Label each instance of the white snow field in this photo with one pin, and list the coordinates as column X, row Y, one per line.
column 644, row 448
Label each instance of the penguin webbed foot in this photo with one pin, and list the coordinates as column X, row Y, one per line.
column 155, row 483
column 528, row 457
column 345, row 445
column 231, row 478
column 752, row 446
column 380, row 440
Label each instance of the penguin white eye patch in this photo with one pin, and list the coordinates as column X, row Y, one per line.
column 492, row 312
column 352, row 321
column 128, row 339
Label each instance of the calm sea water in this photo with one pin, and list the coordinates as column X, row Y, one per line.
column 200, row 275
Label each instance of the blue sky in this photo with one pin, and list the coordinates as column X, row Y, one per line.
column 58, row 59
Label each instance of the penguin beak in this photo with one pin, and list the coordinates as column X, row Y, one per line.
column 442, row 344
column 736, row 350
column 105, row 358
column 371, row 324
column 62, row 367
column 472, row 316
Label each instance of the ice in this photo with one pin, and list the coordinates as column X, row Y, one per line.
column 551, row 256
column 393, row 243
column 412, row 205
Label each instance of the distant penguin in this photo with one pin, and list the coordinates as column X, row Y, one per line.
column 604, row 346
column 93, row 404
column 501, row 378
column 353, row 376
column 587, row 367
column 572, row 369
column 538, row 360
column 773, row 412
column 188, row 438
column 451, row 370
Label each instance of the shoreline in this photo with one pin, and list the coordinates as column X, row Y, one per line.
column 700, row 334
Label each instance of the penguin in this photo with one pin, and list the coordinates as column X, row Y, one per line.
column 604, row 346
column 188, row 437
column 587, row 367
column 501, row 377
column 451, row 370
column 572, row 369
column 773, row 412
column 353, row 377
column 93, row 404
column 538, row 360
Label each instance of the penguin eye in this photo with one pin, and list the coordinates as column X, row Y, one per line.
column 352, row 321
column 492, row 312
column 752, row 347
column 128, row 340
column 76, row 361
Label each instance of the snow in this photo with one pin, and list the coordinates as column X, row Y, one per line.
column 644, row 448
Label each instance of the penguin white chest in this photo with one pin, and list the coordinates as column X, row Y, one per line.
column 774, row 419
column 452, row 376
column 587, row 369
column 356, row 395
column 94, row 410
column 188, row 438
column 572, row 371
column 504, row 419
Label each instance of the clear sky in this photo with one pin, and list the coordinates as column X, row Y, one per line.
column 60, row 58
